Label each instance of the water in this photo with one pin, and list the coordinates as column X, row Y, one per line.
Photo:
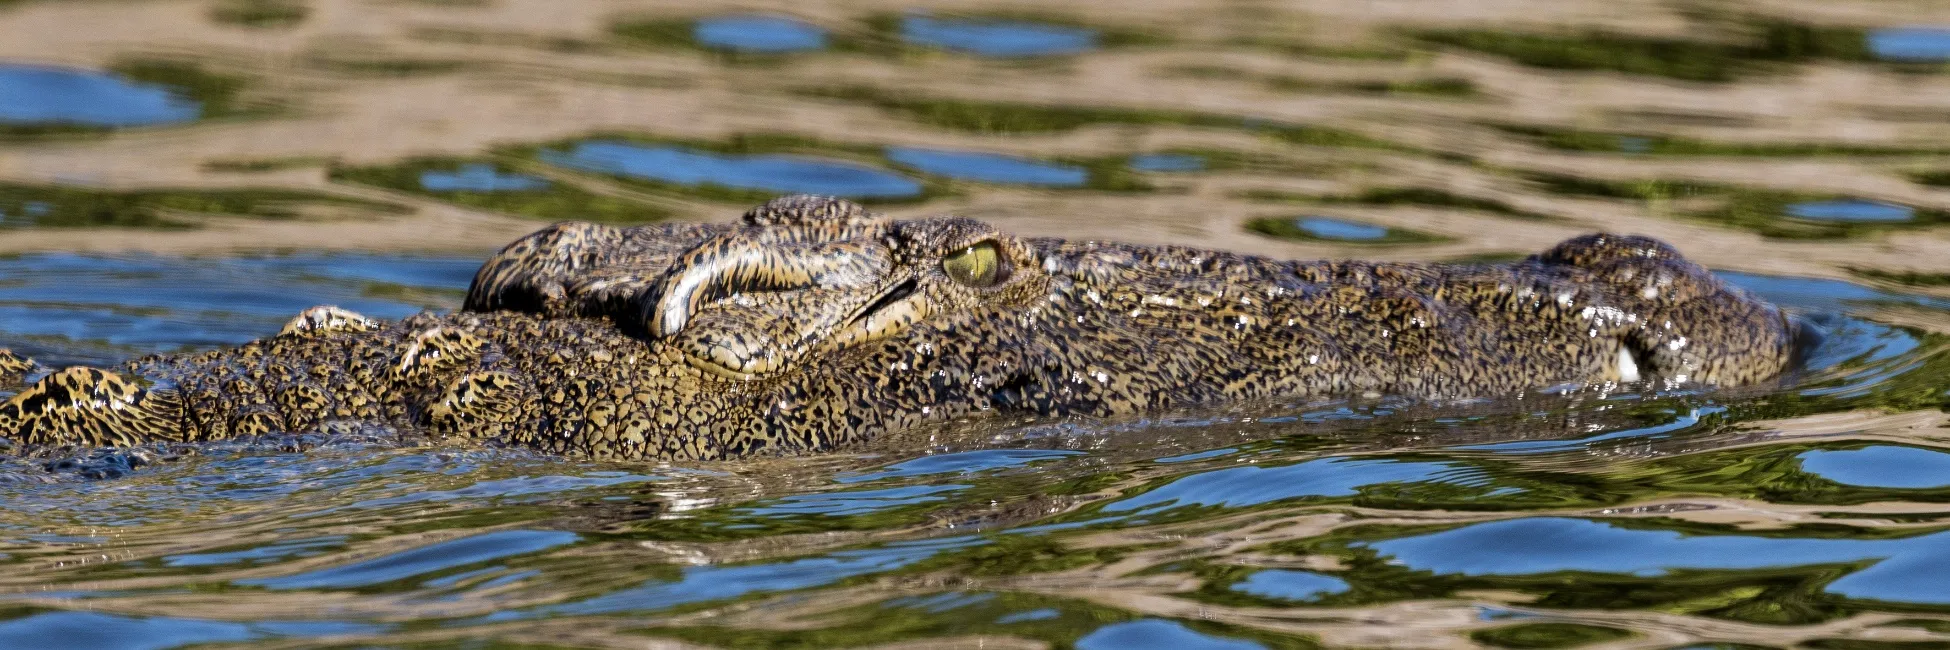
column 1852, row 210
column 67, row 308
column 1329, row 228
column 1282, row 584
column 36, row 95
column 479, row 177
column 1167, row 162
column 1888, row 466
column 1911, row 43
column 774, row 173
column 754, row 33
column 988, row 167
column 997, row 38
column 1810, row 515
column 470, row 541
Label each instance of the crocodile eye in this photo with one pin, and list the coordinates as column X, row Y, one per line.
column 976, row 266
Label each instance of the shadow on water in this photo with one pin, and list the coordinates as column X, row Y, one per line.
column 1076, row 531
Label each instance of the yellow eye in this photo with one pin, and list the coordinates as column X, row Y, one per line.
column 976, row 266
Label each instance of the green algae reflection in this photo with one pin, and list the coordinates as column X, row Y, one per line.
column 1769, row 41
column 1003, row 117
column 1771, row 213
column 1547, row 635
column 1060, row 622
column 1654, row 144
column 65, row 206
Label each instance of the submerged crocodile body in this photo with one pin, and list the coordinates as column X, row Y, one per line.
column 812, row 324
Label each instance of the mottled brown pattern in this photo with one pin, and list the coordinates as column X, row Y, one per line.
column 812, row 324
column 13, row 365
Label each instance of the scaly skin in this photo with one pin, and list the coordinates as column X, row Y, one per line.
column 813, row 324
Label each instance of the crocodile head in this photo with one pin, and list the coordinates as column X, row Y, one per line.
column 798, row 278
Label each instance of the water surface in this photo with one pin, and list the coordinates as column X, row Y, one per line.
column 464, row 541
column 48, row 95
column 1812, row 514
column 1911, row 43
column 769, row 172
column 997, row 37
column 758, row 33
column 989, row 167
column 1857, row 210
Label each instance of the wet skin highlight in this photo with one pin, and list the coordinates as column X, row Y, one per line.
column 812, row 324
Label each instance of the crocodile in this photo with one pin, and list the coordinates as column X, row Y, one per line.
column 812, row 323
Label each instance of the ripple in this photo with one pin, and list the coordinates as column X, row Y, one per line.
column 997, row 38
column 768, row 172
column 1330, row 228
column 1157, row 634
column 296, row 548
column 1167, row 162
column 709, row 583
column 45, row 95
column 100, row 630
column 1283, row 584
column 966, row 462
column 1885, row 466
column 1238, row 487
column 989, row 167
column 855, row 502
column 1910, row 43
column 1900, row 570
column 479, row 177
column 1853, row 210
column 67, row 308
column 421, row 561
column 758, row 33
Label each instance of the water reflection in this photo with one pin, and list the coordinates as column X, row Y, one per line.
column 1852, row 210
column 1283, row 584
column 709, row 583
column 1329, row 228
column 56, row 629
column 1823, row 295
column 1239, row 487
column 1897, row 570
column 997, row 38
column 855, row 502
column 756, row 33
column 988, row 167
column 267, row 553
column 421, row 561
column 1271, row 523
column 1155, row 634
column 43, row 95
column 774, row 173
column 966, row 462
column 1911, row 43
column 1889, row 466
column 479, row 177
column 75, row 308
column 1167, row 162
